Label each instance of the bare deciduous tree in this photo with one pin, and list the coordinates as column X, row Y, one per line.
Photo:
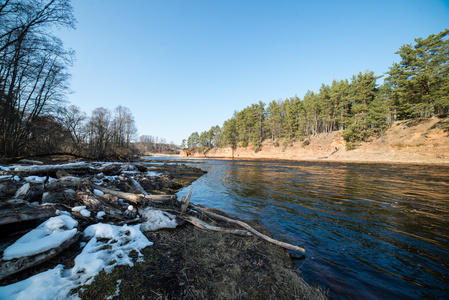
column 33, row 66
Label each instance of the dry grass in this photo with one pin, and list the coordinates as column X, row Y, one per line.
column 189, row 263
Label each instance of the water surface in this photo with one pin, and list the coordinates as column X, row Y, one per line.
column 371, row 231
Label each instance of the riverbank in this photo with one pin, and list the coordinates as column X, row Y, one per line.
column 417, row 141
column 182, row 263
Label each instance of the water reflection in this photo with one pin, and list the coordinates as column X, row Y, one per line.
column 370, row 231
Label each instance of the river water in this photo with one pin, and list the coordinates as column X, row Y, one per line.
column 371, row 231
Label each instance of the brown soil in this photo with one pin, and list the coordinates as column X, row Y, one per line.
column 422, row 141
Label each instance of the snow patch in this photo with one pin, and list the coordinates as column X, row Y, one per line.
column 101, row 214
column 109, row 246
column 34, row 179
column 153, row 173
column 98, row 192
column 117, row 290
column 157, row 219
column 82, row 210
column 46, row 236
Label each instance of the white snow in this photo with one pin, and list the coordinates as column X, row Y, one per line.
column 117, row 290
column 78, row 208
column 7, row 168
column 101, row 214
column 46, row 236
column 38, row 179
column 34, row 179
column 98, row 192
column 157, row 219
column 113, row 249
column 153, row 173
column 82, row 210
column 85, row 212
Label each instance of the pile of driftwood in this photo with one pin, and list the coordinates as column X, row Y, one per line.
column 91, row 193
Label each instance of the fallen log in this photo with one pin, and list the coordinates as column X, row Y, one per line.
column 203, row 225
column 23, row 191
column 52, row 168
column 138, row 187
column 5, row 178
column 67, row 181
column 30, row 162
column 26, row 213
column 249, row 228
column 10, row 267
column 97, row 204
column 135, row 198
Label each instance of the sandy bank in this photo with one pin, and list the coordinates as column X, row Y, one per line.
column 418, row 141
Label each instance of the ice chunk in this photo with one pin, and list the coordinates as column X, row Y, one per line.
column 46, row 236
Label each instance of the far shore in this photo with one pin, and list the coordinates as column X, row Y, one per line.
column 368, row 158
column 424, row 141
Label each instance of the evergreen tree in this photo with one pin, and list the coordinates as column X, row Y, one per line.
column 274, row 122
column 420, row 80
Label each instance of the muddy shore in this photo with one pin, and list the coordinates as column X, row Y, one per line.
column 187, row 262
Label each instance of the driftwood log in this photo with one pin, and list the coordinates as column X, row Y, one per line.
column 249, row 228
column 98, row 204
column 203, row 225
column 30, row 162
column 185, row 201
column 135, row 198
column 52, row 168
column 138, row 187
column 67, row 181
column 26, row 213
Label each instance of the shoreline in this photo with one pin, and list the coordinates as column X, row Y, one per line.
column 359, row 160
column 423, row 141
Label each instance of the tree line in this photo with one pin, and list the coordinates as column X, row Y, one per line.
column 416, row 86
column 155, row 144
column 34, row 116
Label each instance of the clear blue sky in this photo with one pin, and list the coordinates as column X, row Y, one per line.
column 186, row 65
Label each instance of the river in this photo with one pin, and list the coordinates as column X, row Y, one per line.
column 371, row 231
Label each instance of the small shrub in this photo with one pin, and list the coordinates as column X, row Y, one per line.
column 352, row 145
column 245, row 144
